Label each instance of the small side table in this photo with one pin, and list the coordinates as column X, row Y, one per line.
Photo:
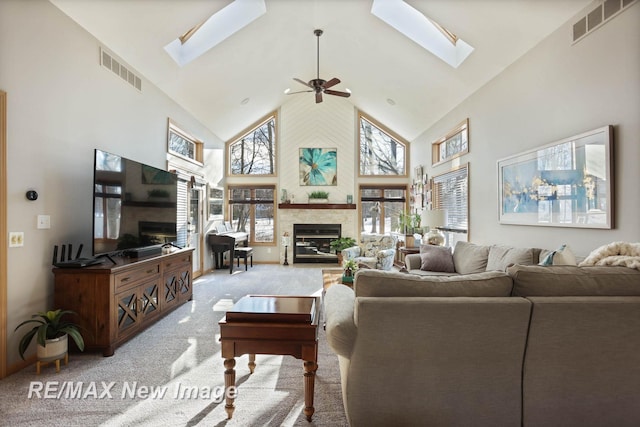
column 280, row 325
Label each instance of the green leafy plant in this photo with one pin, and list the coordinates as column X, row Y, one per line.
column 49, row 325
column 319, row 195
column 350, row 264
column 409, row 223
column 341, row 243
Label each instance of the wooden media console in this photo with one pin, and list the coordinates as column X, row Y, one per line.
column 114, row 302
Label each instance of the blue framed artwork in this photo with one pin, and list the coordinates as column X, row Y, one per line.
column 318, row 166
column 563, row 184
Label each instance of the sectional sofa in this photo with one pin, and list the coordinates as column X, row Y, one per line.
column 529, row 346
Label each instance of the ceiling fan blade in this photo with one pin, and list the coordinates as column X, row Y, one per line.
column 334, row 81
column 318, row 97
column 299, row 91
column 338, row 93
column 303, row 82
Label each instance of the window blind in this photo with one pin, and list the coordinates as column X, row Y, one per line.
column 451, row 193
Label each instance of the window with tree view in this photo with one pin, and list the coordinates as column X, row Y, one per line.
column 251, row 209
column 381, row 208
column 381, row 152
column 254, row 153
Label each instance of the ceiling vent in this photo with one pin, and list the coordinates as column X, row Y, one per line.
column 119, row 69
column 602, row 13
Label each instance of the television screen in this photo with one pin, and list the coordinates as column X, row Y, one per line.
column 134, row 205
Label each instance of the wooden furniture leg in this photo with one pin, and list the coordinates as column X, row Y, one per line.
column 310, row 368
column 252, row 362
column 229, row 381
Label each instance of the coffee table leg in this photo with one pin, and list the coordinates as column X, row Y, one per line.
column 229, row 381
column 252, row 362
column 310, row 368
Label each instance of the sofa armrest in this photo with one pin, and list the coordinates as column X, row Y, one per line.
column 351, row 253
column 341, row 328
column 385, row 258
column 413, row 262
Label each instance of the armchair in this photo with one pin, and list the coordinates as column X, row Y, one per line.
column 374, row 250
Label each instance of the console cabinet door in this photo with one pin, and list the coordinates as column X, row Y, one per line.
column 136, row 306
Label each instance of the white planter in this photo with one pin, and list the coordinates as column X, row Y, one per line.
column 318, row 200
column 55, row 349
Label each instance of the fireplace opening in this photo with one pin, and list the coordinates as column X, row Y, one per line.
column 312, row 243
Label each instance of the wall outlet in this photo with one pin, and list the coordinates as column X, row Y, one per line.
column 16, row 239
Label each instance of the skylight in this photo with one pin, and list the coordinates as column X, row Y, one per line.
column 214, row 30
column 422, row 30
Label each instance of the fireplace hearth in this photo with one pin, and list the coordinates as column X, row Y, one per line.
column 312, row 243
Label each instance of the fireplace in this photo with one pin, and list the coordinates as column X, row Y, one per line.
column 311, row 243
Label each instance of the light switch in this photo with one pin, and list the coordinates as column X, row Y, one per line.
column 44, row 221
column 16, row 239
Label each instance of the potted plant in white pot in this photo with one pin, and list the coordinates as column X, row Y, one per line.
column 51, row 332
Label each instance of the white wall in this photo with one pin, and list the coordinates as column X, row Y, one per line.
column 61, row 105
column 554, row 91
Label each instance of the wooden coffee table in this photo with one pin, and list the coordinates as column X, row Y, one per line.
column 267, row 324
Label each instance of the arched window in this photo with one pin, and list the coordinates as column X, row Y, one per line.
column 254, row 152
column 381, row 151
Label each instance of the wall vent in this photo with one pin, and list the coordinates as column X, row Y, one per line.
column 116, row 67
column 597, row 16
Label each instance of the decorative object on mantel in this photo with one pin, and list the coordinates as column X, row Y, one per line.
column 434, row 218
column 318, row 197
column 318, row 166
column 286, row 242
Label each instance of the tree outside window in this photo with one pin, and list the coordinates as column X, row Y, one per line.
column 381, row 152
column 254, row 152
column 381, row 207
column 251, row 209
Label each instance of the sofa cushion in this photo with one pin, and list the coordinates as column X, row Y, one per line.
column 436, row 258
column 377, row 283
column 470, row 258
column 570, row 280
column 501, row 257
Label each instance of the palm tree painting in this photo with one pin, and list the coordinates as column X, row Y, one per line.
column 318, row 166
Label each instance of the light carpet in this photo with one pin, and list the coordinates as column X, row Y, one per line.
column 168, row 374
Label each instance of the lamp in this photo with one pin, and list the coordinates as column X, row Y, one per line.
column 434, row 218
column 286, row 241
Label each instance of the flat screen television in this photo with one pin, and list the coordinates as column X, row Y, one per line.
column 134, row 205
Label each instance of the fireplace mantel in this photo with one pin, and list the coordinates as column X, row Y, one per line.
column 316, row 206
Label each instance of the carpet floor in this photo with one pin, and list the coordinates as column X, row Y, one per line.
column 172, row 373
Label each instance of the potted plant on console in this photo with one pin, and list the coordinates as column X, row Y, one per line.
column 51, row 331
column 339, row 244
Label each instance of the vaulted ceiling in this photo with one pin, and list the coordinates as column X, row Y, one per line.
column 391, row 77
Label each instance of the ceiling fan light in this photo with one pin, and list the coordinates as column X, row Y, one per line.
column 287, row 90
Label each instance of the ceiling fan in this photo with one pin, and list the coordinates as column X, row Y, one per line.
column 318, row 85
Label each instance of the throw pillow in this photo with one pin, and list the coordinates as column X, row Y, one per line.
column 561, row 256
column 501, row 257
column 470, row 258
column 436, row 258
